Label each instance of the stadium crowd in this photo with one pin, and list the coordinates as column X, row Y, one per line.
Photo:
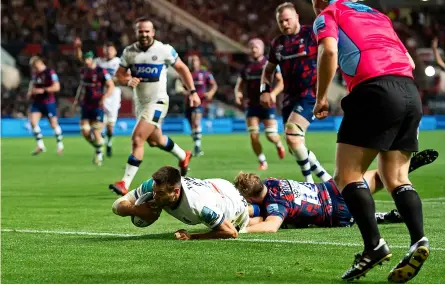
column 54, row 24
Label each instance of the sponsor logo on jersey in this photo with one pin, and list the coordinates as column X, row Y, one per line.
column 147, row 71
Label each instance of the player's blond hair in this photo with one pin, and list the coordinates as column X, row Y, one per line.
column 248, row 184
column 34, row 59
column 283, row 6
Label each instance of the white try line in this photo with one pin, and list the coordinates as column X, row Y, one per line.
column 252, row 240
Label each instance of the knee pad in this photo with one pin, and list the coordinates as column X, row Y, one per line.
column 271, row 131
column 254, row 129
column 85, row 127
column 296, row 130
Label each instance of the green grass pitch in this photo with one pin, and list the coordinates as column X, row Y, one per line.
column 57, row 224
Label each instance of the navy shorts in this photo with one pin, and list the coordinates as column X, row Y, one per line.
column 189, row 111
column 341, row 217
column 48, row 110
column 304, row 106
column 261, row 113
column 95, row 114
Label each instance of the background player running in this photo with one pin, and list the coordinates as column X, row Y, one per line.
column 96, row 85
column 110, row 62
column 206, row 88
column 302, row 204
column 148, row 60
column 212, row 202
column 249, row 84
column 295, row 51
column 43, row 85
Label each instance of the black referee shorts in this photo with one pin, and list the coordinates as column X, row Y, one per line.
column 382, row 113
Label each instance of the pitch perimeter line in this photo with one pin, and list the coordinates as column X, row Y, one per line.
column 254, row 240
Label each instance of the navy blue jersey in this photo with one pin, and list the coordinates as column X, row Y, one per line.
column 297, row 57
column 94, row 83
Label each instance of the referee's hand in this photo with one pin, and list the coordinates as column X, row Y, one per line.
column 321, row 109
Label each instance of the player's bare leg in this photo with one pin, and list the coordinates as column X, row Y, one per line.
column 271, row 130
column 141, row 133
column 85, row 129
column 57, row 133
column 97, row 141
column 253, row 126
column 34, row 119
column 393, row 169
column 157, row 139
column 195, row 123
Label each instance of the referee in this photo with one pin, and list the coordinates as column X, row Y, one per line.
column 381, row 117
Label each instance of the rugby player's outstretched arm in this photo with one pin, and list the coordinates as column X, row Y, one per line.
column 223, row 231
column 271, row 225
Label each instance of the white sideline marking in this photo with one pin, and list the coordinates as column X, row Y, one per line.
column 256, row 240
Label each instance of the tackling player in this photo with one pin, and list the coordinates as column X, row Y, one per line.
column 295, row 51
column 212, row 202
column 301, row 204
column 148, row 60
column 202, row 79
column 43, row 85
column 110, row 62
column 249, row 83
column 96, row 85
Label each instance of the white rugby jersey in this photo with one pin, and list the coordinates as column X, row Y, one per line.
column 111, row 65
column 151, row 66
column 204, row 203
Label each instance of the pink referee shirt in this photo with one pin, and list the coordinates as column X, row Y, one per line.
column 368, row 46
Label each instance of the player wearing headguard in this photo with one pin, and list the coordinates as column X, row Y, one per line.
column 148, row 60
column 212, row 202
column 295, row 51
column 112, row 104
column 248, row 88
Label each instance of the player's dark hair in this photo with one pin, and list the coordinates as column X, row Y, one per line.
column 248, row 184
column 167, row 175
column 140, row 20
column 110, row 44
column 283, row 6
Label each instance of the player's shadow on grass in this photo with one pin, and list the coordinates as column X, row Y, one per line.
column 161, row 236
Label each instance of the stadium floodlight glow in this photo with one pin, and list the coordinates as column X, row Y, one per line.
column 430, row 71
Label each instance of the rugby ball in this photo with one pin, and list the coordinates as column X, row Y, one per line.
column 140, row 223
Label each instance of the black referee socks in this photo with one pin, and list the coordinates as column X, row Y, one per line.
column 410, row 208
column 360, row 203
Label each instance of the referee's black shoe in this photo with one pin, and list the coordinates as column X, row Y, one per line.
column 422, row 158
column 367, row 260
column 410, row 265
